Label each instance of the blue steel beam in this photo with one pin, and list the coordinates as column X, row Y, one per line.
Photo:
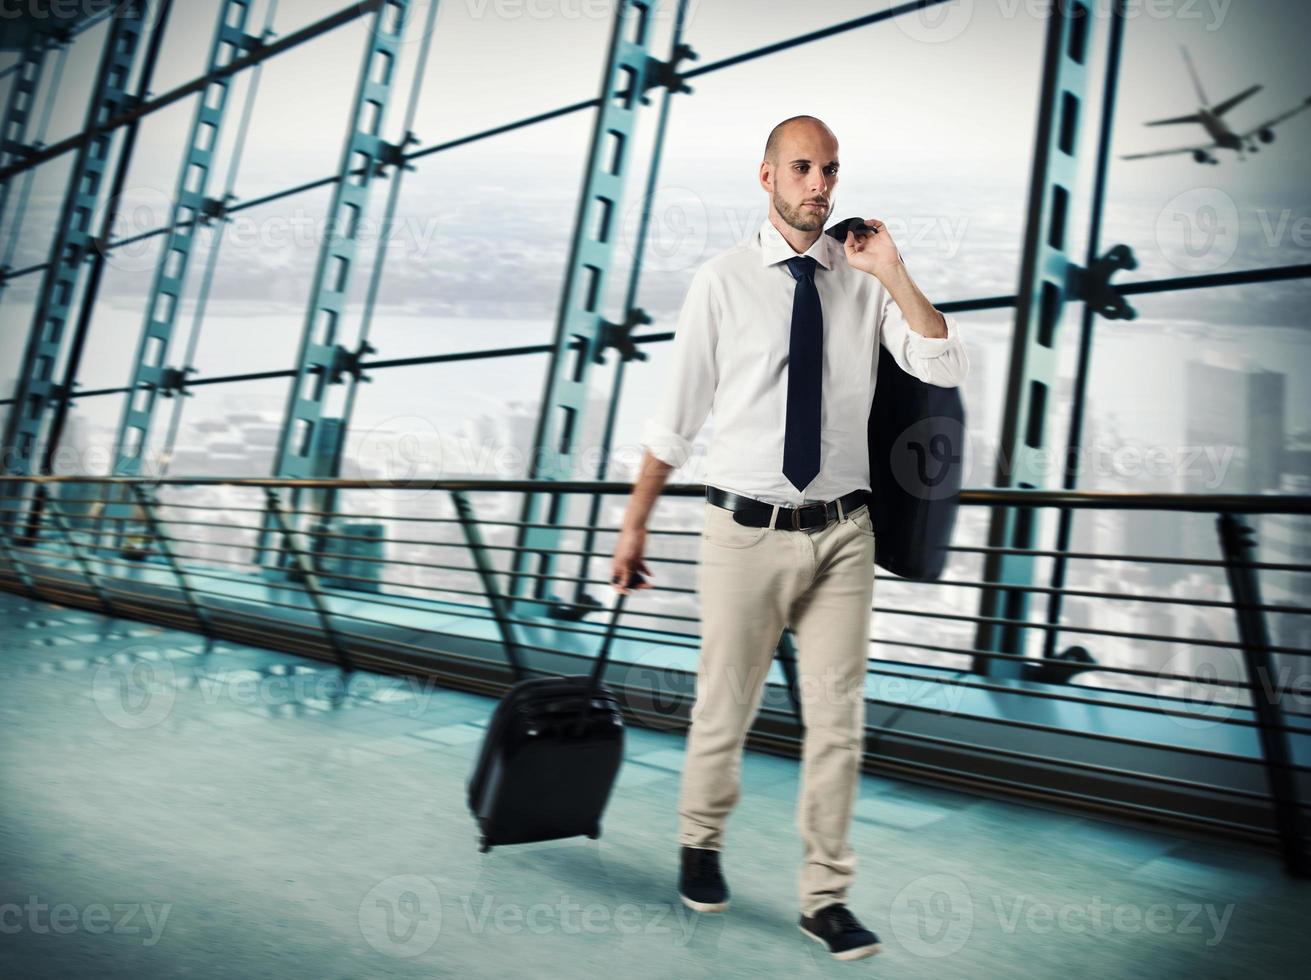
column 178, row 379
column 309, row 442
column 319, row 352
column 141, row 108
column 624, row 343
column 72, row 244
column 18, row 113
column 150, row 376
column 17, row 216
column 581, row 332
column 77, row 337
column 348, row 367
column 1044, row 288
column 1100, row 299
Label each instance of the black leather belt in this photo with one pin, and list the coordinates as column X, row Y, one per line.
column 756, row 513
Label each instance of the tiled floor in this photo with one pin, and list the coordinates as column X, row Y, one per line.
column 169, row 811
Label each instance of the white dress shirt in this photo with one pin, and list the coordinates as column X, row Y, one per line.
column 730, row 358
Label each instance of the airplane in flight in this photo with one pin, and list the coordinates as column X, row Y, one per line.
column 1210, row 118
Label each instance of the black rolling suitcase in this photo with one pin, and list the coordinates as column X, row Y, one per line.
column 550, row 757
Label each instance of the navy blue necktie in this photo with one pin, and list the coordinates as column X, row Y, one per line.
column 805, row 369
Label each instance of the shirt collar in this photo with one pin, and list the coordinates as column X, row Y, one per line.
column 774, row 248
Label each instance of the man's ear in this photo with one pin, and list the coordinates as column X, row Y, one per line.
column 766, row 176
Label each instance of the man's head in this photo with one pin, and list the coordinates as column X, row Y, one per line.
column 800, row 167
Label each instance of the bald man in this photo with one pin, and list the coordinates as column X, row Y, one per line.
column 781, row 335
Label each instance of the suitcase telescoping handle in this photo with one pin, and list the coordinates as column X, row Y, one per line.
column 595, row 678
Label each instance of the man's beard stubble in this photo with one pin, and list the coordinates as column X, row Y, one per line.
column 802, row 218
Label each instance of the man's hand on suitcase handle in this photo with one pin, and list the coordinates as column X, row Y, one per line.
column 628, row 567
column 636, row 580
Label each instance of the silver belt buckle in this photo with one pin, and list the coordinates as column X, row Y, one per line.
column 796, row 519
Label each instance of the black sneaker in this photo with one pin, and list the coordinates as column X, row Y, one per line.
column 700, row 884
column 836, row 928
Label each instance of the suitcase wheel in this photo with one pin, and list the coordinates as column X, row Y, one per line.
column 483, row 846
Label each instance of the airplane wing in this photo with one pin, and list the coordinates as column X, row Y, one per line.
column 1175, row 121
column 1166, row 153
column 1278, row 119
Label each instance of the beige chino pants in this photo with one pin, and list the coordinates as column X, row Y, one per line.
column 753, row 582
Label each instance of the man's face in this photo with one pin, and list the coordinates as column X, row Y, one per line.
column 805, row 177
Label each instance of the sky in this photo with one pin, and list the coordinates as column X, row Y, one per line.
column 934, row 111
column 948, row 92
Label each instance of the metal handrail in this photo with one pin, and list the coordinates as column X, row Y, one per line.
column 1243, row 503
column 311, row 586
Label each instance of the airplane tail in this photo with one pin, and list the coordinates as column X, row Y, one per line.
column 1197, row 84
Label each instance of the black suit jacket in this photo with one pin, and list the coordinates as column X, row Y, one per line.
column 916, row 435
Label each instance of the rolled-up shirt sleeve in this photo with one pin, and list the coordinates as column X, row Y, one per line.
column 940, row 361
column 690, row 380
